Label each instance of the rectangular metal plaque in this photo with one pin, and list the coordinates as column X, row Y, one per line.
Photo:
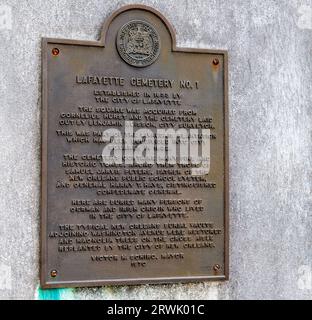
column 147, row 221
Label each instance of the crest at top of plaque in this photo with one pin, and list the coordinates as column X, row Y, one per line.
column 138, row 43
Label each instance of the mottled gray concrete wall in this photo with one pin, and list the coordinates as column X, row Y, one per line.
column 270, row 49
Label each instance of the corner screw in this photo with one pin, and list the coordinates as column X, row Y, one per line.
column 53, row 273
column 215, row 62
column 55, row 51
column 216, row 267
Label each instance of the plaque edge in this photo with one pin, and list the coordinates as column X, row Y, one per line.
column 226, row 167
column 44, row 163
column 132, row 282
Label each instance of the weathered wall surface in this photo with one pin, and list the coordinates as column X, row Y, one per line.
column 270, row 50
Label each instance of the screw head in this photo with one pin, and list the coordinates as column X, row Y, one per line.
column 216, row 267
column 53, row 273
column 215, row 62
column 55, row 51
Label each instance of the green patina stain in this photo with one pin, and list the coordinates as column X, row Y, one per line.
column 55, row 294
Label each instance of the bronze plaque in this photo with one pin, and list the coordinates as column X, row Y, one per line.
column 145, row 221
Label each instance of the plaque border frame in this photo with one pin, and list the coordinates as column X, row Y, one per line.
column 44, row 282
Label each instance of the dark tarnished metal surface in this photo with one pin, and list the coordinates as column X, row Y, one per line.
column 128, row 224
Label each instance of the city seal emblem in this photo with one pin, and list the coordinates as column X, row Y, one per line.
column 138, row 43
